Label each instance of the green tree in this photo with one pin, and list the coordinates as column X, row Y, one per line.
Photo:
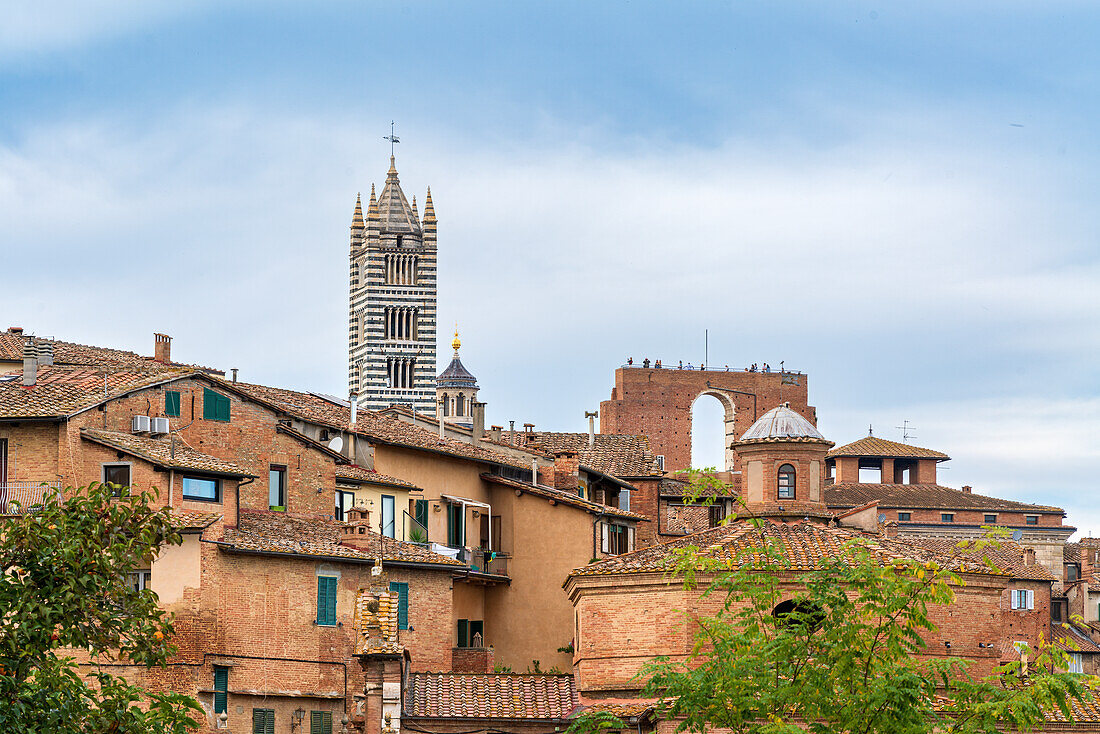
column 66, row 593
column 843, row 656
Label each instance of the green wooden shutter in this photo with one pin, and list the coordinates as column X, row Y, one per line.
column 221, row 686
column 320, row 722
column 263, row 721
column 326, row 600
column 402, row 590
column 463, row 632
column 172, row 403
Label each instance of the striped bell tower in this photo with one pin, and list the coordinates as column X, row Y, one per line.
column 392, row 304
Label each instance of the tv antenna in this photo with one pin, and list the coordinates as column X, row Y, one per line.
column 392, row 138
column 905, row 429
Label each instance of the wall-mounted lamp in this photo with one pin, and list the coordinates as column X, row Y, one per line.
column 297, row 717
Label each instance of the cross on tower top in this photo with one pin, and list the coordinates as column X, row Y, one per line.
column 392, row 138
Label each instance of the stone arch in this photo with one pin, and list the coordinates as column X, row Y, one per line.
column 729, row 409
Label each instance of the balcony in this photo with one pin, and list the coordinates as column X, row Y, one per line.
column 480, row 560
column 20, row 498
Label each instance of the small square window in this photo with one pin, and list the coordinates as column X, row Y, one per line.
column 139, row 580
column 990, row 519
column 118, row 474
column 947, row 517
column 200, row 488
column 904, row 516
column 1031, row 520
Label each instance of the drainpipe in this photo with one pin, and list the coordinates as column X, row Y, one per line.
column 534, row 472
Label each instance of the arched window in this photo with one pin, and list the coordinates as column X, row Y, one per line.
column 786, row 482
column 799, row 615
column 446, row 405
column 461, row 404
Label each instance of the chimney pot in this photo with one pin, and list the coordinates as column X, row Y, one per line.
column 477, row 431
column 45, row 353
column 30, row 363
column 966, row 489
column 162, row 348
column 15, row 330
column 1029, row 556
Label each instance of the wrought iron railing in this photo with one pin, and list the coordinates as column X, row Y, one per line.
column 484, row 561
column 19, row 498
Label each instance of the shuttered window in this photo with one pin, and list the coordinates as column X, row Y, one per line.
column 215, row 406
column 172, row 403
column 326, row 600
column 402, row 591
column 1022, row 599
column 263, row 721
column 320, row 722
column 463, row 633
column 221, row 686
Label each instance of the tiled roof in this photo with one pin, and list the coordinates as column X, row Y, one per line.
column 1074, row 639
column 620, row 455
column 565, row 498
column 804, row 544
column 69, row 353
column 371, row 424
column 921, row 496
column 183, row 519
column 376, row 623
column 159, row 451
column 782, row 423
column 1071, row 552
column 359, row 474
column 1007, row 556
column 275, row 532
column 495, row 696
column 875, row 446
column 621, row 708
column 63, row 391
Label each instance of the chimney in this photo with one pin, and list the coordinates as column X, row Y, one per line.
column 591, row 416
column 30, row 363
column 966, row 489
column 234, row 371
column 534, row 472
column 494, row 433
column 357, row 531
column 1029, row 556
column 478, row 411
column 512, row 431
column 162, row 348
column 17, row 330
column 566, row 471
column 45, row 353
column 353, row 398
column 439, row 412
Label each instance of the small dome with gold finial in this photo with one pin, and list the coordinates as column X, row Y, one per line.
column 456, row 375
column 456, row 343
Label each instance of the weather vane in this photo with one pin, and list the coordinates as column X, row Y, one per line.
column 392, row 138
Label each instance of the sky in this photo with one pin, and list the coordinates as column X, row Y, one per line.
column 898, row 199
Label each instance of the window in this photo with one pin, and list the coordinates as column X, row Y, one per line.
column 456, row 527
column 904, row 516
column 1022, row 599
column 717, row 513
column 786, row 482
column 471, row 633
column 402, row 591
column 1031, row 520
column 420, row 514
column 326, row 600
column 139, row 580
column 276, row 488
column 460, row 404
column 446, row 406
column 118, row 474
column 660, row 462
column 388, row 516
column 990, row 519
column 215, row 406
column 947, row 517
column 172, row 403
column 1076, row 665
column 263, row 721
column 1072, row 573
column 320, row 722
column 616, row 539
column 344, row 502
column 197, row 488
column 221, row 688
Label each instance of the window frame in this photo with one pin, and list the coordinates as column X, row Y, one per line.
column 266, row 723
column 128, row 465
column 908, row 516
column 1031, row 519
column 988, row 515
column 326, row 600
column 221, row 689
column 184, row 478
column 215, row 405
column 341, row 508
column 278, row 470
column 172, row 402
column 389, row 502
column 946, row 517
column 784, row 471
column 1022, row 600
column 320, row 722
column 1076, row 663
column 401, row 588
column 144, row 577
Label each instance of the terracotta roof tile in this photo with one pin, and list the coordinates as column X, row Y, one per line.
column 620, row 455
column 69, row 353
column 63, row 391
column 359, row 474
column 904, row 496
column 564, row 497
column 1074, row 639
column 1007, row 555
column 803, row 543
column 275, row 532
column 496, row 696
column 159, row 451
column 184, row 519
column 621, row 708
column 875, row 446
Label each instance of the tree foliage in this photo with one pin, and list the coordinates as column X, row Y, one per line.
column 843, row 656
column 65, row 596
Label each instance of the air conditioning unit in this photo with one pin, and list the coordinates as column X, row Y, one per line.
column 160, row 425
column 140, row 424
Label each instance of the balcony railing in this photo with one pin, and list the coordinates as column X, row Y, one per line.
column 19, row 498
column 483, row 561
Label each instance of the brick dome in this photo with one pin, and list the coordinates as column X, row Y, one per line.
column 782, row 423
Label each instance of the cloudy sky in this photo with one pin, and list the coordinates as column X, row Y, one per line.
column 897, row 198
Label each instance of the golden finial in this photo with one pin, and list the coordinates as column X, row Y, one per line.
column 457, row 342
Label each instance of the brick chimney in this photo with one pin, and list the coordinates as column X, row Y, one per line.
column 566, row 471
column 356, row 531
column 1029, row 556
column 17, row 330
column 477, row 410
column 30, row 363
column 162, row 348
column 967, row 489
column 495, row 433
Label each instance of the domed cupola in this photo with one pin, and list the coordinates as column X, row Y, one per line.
column 456, row 389
column 783, row 460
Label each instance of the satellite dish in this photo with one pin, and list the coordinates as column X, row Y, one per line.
column 1017, row 535
column 336, row 444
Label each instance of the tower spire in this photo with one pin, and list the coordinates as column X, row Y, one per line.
column 415, row 212
column 357, row 217
column 429, row 208
column 372, row 207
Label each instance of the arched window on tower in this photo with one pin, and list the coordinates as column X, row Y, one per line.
column 446, row 406
column 785, row 482
column 461, row 405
